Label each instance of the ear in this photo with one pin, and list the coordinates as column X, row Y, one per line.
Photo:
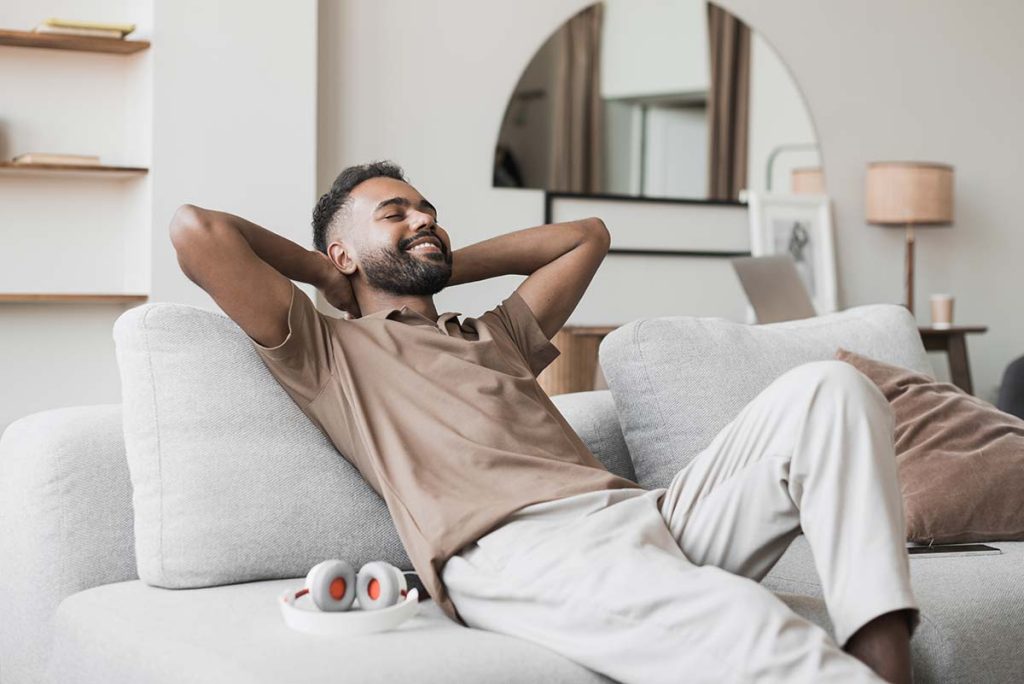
column 338, row 252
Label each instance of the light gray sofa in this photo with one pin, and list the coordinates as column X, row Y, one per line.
column 73, row 609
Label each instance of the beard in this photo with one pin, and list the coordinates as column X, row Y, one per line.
column 399, row 272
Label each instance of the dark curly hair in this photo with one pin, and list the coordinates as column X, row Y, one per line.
column 333, row 201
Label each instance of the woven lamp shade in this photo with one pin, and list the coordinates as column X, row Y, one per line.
column 917, row 193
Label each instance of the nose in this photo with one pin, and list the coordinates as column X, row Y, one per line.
column 420, row 220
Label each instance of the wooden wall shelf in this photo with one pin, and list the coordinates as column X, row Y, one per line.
column 30, row 298
column 72, row 170
column 55, row 41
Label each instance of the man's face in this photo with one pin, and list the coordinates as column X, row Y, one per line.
column 395, row 238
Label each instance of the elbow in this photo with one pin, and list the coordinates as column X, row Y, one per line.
column 186, row 220
column 598, row 231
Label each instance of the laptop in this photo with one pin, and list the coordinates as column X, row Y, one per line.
column 774, row 288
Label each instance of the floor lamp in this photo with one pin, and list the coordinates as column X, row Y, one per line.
column 909, row 194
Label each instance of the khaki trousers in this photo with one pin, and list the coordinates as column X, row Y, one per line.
column 662, row 585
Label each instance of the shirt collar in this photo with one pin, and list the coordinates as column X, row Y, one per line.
column 411, row 315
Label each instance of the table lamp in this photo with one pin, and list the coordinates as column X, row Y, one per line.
column 808, row 181
column 909, row 194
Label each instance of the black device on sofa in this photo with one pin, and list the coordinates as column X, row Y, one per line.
column 1011, row 391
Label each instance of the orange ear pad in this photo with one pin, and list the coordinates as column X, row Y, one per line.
column 380, row 585
column 332, row 585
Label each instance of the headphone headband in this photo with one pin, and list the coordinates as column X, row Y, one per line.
column 349, row 623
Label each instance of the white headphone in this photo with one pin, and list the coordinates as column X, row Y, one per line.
column 385, row 600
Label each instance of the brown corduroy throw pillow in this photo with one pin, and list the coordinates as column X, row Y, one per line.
column 961, row 460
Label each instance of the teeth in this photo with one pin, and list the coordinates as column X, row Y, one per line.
column 425, row 245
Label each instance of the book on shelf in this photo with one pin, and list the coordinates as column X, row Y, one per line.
column 64, row 159
column 94, row 29
column 90, row 33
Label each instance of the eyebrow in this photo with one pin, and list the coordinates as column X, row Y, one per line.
column 403, row 202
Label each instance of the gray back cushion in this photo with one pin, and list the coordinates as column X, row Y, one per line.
column 592, row 416
column 231, row 481
column 677, row 381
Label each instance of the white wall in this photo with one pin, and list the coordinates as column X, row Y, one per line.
column 235, row 116
column 934, row 80
column 223, row 109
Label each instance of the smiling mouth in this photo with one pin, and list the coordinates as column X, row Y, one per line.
column 427, row 246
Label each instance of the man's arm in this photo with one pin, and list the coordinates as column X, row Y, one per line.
column 245, row 268
column 559, row 258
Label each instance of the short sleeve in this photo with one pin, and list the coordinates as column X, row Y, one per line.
column 517, row 319
column 304, row 362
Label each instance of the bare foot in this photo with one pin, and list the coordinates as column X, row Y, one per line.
column 884, row 645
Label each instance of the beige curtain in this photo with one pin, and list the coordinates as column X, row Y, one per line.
column 577, row 139
column 728, row 104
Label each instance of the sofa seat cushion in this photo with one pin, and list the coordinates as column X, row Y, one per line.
column 134, row 632
column 972, row 611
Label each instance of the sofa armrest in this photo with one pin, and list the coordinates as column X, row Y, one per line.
column 66, row 523
column 594, row 418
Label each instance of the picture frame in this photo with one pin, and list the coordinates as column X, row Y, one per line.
column 800, row 225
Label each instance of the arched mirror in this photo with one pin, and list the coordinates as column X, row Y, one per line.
column 657, row 98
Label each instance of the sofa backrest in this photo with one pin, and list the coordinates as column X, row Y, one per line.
column 677, row 381
column 231, row 481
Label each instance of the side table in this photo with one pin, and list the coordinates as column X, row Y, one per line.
column 953, row 341
column 576, row 369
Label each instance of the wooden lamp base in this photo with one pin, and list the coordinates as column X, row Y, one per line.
column 908, row 285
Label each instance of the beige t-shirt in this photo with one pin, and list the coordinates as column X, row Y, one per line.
column 445, row 420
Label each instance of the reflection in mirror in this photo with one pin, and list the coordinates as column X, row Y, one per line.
column 657, row 98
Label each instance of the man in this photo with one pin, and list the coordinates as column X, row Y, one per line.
column 512, row 524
